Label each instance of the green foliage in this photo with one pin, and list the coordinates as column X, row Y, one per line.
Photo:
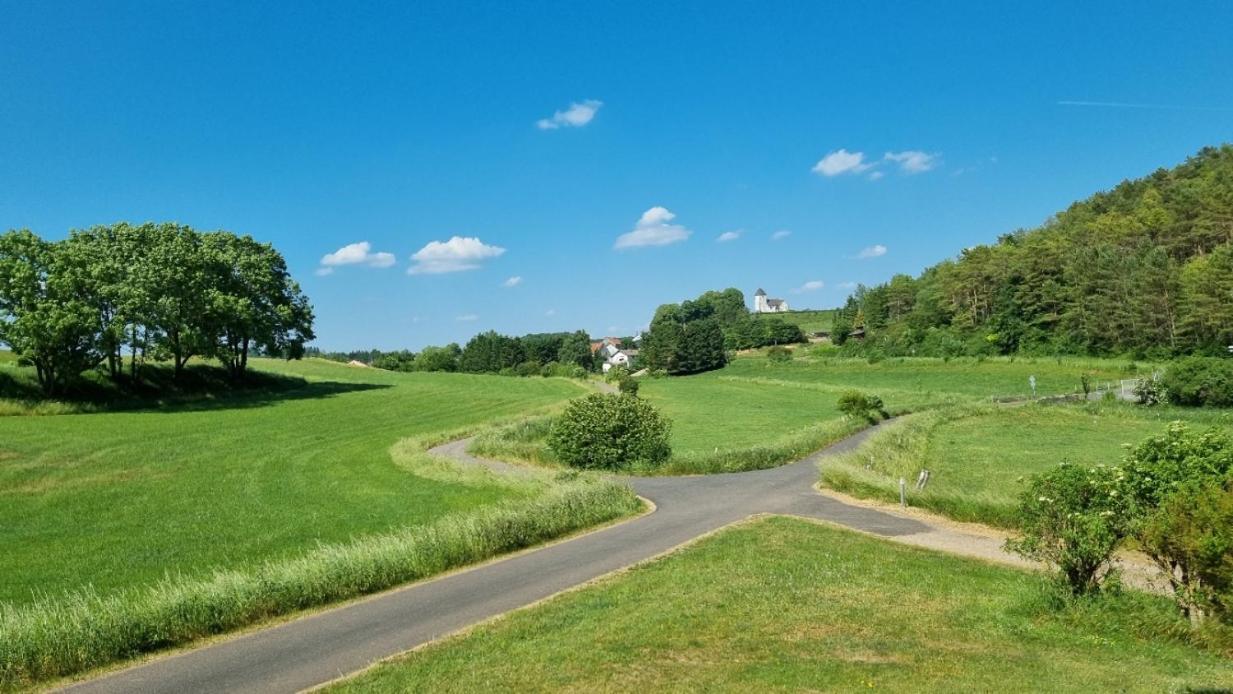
column 1162, row 465
column 628, row 385
column 1149, row 391
column 751, row 332
column 491, row 352
column 575, row 349
column 610, row 432
column 161, row 290
column 1073, row 519
column 779, row 355
column 858, row 405
column 1200, row 381
column 679, row 346
column 50, row 639
column 1145, row 269
column 1190, row 536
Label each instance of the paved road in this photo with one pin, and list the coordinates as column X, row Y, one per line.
column 326, row 645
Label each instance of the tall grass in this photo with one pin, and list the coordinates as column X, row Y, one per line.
column 524, row 441
column 57, row 637
column 899, row 450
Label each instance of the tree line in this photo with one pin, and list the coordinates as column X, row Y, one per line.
column 117, row 295
column 547, row 354
column 1145, row 269
column 694, row 335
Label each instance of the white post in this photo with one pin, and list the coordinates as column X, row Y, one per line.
column 903, row 492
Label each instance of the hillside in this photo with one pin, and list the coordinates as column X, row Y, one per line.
column 1144, row 269
column 810, row 321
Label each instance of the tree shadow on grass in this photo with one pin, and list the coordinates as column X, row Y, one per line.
column 200, row 387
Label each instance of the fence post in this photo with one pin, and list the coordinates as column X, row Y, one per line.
column 903, row 492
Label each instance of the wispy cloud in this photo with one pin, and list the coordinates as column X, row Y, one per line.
column 360, row 253
column 810, row 286
column 780, row 235
column 458, row 254
column 550, row 312
column 912, row 161
column 729, row 236
column 513, row 281
column 467, row 317
column 577, row 115
column 875, row 251
column 653, row 229
column 841, row 161
column 846, row 285
column 1158, row 107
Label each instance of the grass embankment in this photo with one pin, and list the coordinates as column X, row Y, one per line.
column 49, row 639
column 977, row 455
column 718, row 425
column 810, row 321
column 120, row 499
column 786, row 605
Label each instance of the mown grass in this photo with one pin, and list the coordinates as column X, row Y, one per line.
column 49, row 639
column 121, row 499
column 786, row 605
column 978, row 455
column 810, row 321
column 718, row 425
column 918, row 382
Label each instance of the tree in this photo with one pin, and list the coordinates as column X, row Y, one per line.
column 575, row 349
column 46, row 315
column 701, row 347
column 438, row 358
column 610, row 432
column 180, row 287
column 490, row 352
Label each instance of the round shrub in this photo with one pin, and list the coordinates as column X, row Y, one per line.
column 779, row 354
column 628, row 385
column 610, row 432
column 862, row 406
column 1200, row 381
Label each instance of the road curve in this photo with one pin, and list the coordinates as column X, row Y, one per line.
column 320, row 647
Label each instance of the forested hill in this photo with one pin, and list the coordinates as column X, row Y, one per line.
column 1144, row 269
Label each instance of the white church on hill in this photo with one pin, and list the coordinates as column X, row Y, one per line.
column 765, row 305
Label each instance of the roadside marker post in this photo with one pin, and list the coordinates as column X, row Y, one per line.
column 903, row 492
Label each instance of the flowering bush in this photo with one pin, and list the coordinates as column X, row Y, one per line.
column 1073, row 519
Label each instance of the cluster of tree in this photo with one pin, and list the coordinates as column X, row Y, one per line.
column 692, row 336
column 153, row 291
column 1173, row 495
column 548, row 354
column 1144, row 269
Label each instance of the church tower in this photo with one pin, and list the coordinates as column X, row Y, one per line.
column 760, row 301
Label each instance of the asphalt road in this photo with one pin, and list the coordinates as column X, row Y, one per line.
column 326, row 645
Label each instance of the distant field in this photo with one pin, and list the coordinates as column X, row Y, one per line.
column 786, row 605
column 916, row 382
column 809, row 321
column 977, row 458
column 121, row 498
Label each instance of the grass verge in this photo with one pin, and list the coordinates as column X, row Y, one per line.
column 49, row 639
column 782, row 604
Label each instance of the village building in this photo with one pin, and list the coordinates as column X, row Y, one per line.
column 764, row 305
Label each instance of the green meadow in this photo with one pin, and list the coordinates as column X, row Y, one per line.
column 118, row 499
column 810, row 321
column 782, row 604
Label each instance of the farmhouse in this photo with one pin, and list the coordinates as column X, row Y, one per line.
column 765, row 305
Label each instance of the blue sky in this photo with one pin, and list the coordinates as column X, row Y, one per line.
column 318, row 126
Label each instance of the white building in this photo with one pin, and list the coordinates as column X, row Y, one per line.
column 765, row 305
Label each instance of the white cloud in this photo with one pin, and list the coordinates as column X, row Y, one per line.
column 875, row 175
column 576, row 116
column 913, row 161
column 810, row 286
column 354, row 254
column 513, row 281
column 841, row 161
column 653, row 229
column 458, row 254
column 467, row 317
column 729, row 236
column 846, row 285
column 780, row 235
column 875, row 251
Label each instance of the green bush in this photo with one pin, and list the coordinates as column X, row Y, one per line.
column 1206, row 381
column 610, row 432
column 1162, row 465
column 1073, row 519
column 628, row 385
column 862, row 406
column 779, row 354
column 1149, row 391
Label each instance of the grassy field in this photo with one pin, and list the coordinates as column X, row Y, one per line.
column 810, row 321
column 121, row 499
column 918, row 382
column 786, row 605
column 978, row 455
